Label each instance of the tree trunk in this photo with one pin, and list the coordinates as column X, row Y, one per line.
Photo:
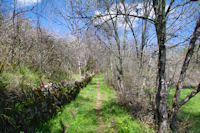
column 79, row 66
column 144, row 30
column 162, row 90
column 161, row 114
column 120, row 70
column 119, row 55
column 142, row 44
column 14, row 37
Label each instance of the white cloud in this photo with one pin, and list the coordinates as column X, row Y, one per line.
column 24, row 3
column 133, row 9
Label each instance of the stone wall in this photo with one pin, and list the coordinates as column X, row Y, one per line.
column 37, row 105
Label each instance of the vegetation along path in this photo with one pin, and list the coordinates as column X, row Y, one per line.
column 94, row 110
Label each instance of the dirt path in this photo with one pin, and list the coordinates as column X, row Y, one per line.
column 99, row 109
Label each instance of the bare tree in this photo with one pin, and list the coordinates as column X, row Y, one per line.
column 161, row 113
column 177, row 105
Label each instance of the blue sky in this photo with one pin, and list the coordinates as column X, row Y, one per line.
column 41, row 7
column 54, row 23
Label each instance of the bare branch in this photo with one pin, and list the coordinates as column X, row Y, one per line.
column 168, row 9
column 191, row 95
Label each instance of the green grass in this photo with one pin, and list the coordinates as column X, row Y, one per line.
column 116, row 119
column 76, row 77
column 190, row 111
column 17, row 76
column 80, row 115
column 77, row 117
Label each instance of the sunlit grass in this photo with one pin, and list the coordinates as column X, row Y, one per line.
column 116, row 119
column 17, row 76
column 80, row 116
column 76, row 77
column 190, row 111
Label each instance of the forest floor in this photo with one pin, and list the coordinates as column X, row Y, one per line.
column 95, row 110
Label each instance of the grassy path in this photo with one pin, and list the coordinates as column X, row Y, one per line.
column 94, row 110
column 99, row 110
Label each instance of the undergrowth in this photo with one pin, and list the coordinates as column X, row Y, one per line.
column 17, row 77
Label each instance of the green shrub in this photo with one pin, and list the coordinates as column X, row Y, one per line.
column 19, row 77
column 60, row 74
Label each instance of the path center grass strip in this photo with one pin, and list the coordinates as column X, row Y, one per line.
column 80, row 116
